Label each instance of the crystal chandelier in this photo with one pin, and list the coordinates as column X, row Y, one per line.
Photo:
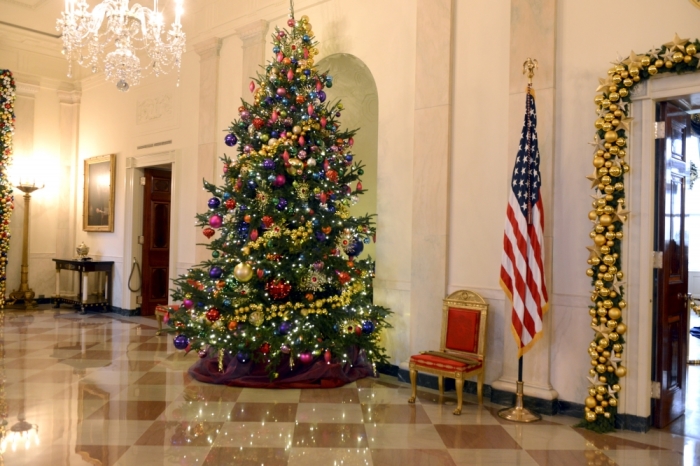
column 113, row 33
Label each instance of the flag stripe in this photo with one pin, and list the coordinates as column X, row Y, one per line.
column 522, row 263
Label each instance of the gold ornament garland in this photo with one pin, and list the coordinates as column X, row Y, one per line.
column 7, row 127
column 609, row 216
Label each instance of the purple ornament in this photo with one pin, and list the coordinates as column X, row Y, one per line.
column 268, row 164
column 188, row 304
column 245, row 115
column 215, row 221
column 282, row 204
column 367, row 327
column 285, row 327
column 181, row 342
column 306, row 357
column 285, row 349
column 242, row 357
column 247, row 148
column 202, row 353
column 230, row 140
column 321, row 96
column 214, row 203
column 216, row 272
column 321, row 236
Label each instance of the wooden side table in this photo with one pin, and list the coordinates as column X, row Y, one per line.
column 84, row 299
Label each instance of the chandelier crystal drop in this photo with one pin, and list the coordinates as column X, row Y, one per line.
column 112, row 37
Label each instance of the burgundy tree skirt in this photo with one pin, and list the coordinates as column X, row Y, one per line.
column 317, row 374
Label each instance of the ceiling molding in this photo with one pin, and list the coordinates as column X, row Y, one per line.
column 29, row 4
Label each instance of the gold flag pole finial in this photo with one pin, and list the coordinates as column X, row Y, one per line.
column 529, row 68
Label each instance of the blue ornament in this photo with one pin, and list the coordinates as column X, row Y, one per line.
column 285, row 327
column 313, row 94
column 214, row 203
column 252, row 184
column 293, row 89
column 321, row 236
column 315, row 176
column 306, row 38
column 348, row 157
column 282, row 204
column 315, row 222
column 274, row 134
column 366, row 240
column 294, row 60
column 242, row 357
column 242, row 207
column 226, row 196
column 331, row 208
column 285, row 101
column 230, row 140
column 227, row 303
column 275, row 49
column 355, row 248
column 367, row 327
column 181, row 342
column 305, row 117
column 269, row 164
column 332, row 196
column 321, row 96
column 216, row 272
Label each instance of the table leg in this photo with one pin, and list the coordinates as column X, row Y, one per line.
column 58, row 289
column 107, row 294
column 84, row 296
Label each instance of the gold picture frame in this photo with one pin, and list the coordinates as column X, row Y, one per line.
column 98, row 193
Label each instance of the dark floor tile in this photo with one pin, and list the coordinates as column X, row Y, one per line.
column 191, row 434
column 608, row 442
column 264, row 412
column 211, row 393
column 394, row 414
column 235, row 456
column 130, row 410
column 412, row 457
column 329, row 395
column 163, row 378
column 570, row 458
column 329, row 436
column 475, row 436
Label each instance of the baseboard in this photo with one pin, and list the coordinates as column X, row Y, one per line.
column 549, row 407
column 126, row 312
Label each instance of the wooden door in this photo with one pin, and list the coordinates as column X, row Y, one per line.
column 672, row 279
column 156, row 240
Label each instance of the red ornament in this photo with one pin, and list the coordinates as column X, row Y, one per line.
column 343, row 277
column 327, row 356
column 359, row 186
column 261, row 273
column 358, row 330
column 332, row 176
column 208, row 232
column 326, row 229
column 278, row 289
column 232, row 325
column 213, row 314
column 258, row 122
column 230, row 204
column 265, row 348
column 268, row 221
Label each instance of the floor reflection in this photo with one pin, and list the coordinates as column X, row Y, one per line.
column 105, row 390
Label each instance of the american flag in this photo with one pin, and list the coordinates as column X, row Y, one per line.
column 522, row 263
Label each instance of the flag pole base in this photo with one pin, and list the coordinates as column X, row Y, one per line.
column 518, row 413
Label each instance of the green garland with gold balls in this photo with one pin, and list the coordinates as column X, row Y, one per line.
column 609, row 216
column 7, row 128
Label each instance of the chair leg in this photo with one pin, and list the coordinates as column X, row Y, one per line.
column 414, row 375
column 441, row 384
column 480, row 388
column 159, row 319
column 459, row 386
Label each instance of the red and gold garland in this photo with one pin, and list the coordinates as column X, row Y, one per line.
column 7, row 128
column 609, row 215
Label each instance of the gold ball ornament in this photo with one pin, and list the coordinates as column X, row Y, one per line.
column 621, row 371
column 612, row 336
column 669, row 64
column 590, row 402
column 612, row 402
column 599, row 240
column 616, row 387
column 243, row 272
column 295, row 167
column 605, row 220
column 599, row 410
column 591, row 416
column 615, row 314
column 603, row 343
column 624, row 92
column 615, row 171
column 610, row 136
column 652, row 70
column 687, row 59
column 691, row 49
column 621, row 329
column 677, row 57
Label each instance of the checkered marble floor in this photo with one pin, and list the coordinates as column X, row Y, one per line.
column 105, row 390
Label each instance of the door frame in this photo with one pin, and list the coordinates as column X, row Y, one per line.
column 133, row 218
column 637, row 251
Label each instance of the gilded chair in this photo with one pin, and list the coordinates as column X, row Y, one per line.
column 462, row 346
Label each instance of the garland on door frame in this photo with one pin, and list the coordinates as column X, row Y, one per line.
column 609, row 215
column 7, row 128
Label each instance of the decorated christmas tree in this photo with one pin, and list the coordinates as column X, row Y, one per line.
column 285, row 290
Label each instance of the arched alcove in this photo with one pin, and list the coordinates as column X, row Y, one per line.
column 354, row 85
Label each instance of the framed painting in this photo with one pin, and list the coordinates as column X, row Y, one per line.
column 98, row 193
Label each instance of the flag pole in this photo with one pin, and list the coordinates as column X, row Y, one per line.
column 519, row 413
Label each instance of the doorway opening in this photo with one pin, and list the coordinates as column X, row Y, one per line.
column 677, row 265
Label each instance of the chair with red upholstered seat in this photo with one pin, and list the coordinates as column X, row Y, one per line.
column 462, row 346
